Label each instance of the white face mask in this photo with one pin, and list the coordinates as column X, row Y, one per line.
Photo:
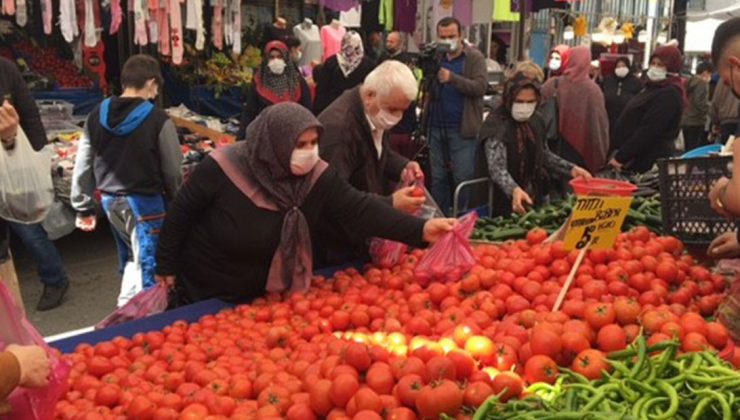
column 523, row 111
column 277, row 65
column 621, row 71
column 555, row 64
column 657, row 74
column 452, row 43
column 302, row 161
column 385, row 120
column 298, row 56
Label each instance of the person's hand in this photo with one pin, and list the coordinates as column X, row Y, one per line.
column 8, row 123
column 615, row 164
column 434, row 229
column 86, row 223
column 578, row 172
column 35, row 365
column 444, row 75
column 715, row 197
column 518, row 199
column 167, row 281
column 405, row 200
column 412, row 172
column 724, row 246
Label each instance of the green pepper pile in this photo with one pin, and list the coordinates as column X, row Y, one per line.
column 660, row 386
column 643, row 212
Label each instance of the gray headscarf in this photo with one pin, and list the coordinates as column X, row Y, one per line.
column 260, row 167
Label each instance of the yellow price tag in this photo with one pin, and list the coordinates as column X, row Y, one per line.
column 596, row 222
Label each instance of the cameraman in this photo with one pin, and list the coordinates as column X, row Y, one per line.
column 456, row 113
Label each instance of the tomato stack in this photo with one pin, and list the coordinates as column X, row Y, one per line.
column 379, row 345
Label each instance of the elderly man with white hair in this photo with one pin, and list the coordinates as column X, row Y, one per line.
column 355, row 143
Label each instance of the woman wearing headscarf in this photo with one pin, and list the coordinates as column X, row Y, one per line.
column 649, row 125
column 619, row 88
column 277, row 80
column 242, row 224
column 515, row 142
column 557, row 61
column 341, row 72
column 583, row 125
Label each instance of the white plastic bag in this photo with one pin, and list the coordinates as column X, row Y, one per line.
column 26, row 190
column 60, row 221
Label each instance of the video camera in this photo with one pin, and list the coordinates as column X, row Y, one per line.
column 430, row 57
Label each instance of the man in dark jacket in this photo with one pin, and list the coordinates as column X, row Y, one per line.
column 455, row 113
column 696, row 112
column 131, row 153
column 395, row 50
column 18, row 109
column 355, row 143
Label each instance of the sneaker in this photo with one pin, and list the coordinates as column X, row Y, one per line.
column 52, row 297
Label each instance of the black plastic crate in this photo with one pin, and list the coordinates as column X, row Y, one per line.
column 684, row 195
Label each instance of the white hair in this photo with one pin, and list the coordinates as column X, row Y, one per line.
column 392, row 75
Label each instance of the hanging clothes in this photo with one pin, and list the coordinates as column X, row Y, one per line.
column 580, row 26
column 176, row 34
column 217, row 24
column 482, row 11
column 440, row 10
column 141, row 13
column 339, row 5
column 8, row 7
column 331, row 38
column 463, row 11
column 502, row 12
column 116, row 15
column 153, row 21
column 405, row 15
column 21, row 13
column 351, row 18
column 163, row 23
column 370, row 16
column 194, row 22
column 68, row 20
column 46, row 12
column 237, row 26
column 310, row 38
column 385, row 14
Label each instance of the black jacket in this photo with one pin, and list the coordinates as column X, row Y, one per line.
column 12, row 84
column 256, row 103
column 145, row 161
column 331, row 82
column 648, row 127
column 617, row 93
column 221, row 245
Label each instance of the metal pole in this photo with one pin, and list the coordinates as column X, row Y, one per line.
column 523, row 16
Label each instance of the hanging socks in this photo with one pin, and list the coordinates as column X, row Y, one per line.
column 116, row 16
column 176, row 31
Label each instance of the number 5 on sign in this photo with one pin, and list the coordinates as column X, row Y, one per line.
column 596, row 222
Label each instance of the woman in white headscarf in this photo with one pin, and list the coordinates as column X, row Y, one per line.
column 341, row 72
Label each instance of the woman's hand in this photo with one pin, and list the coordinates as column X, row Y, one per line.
column 35, row 365
column 167, row 281
column 518, row 198
column 86, row 223
column 578, row 172
column 716, row 199
column 434, row 229
column 724, row 246
column 412, row 172
column 404, row 200
column 615, row 164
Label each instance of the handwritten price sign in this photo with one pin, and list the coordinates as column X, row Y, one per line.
column 596, row 222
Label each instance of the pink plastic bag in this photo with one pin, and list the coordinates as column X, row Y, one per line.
column 147, row 302
column 451, row 257
column 386, row 253
column 30, row 404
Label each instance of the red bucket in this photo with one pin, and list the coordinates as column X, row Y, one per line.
column 602, row 187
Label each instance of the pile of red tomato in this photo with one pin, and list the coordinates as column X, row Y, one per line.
column 380, row 346
column 47, row 62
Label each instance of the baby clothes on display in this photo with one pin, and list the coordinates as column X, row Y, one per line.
column 482, row 11
column 463, row 11
column 68, row 20
column 405, row 15
column 310, row 38
column 331, row 38
column 21, row 13
column 351, row 18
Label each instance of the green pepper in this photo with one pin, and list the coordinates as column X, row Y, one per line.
column 600, row 395
column 672, row 397
column 641, row 353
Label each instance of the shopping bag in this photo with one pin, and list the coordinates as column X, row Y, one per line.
column 729, row 311
column 451, row 257
column 386, row 253
column 60, row 221
column 147, row 302
column 26, row 189
column 30, row 404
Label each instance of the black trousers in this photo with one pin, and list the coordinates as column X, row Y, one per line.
column 693, row 137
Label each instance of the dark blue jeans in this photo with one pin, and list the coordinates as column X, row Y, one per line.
column 462, row 158
column 43, row 252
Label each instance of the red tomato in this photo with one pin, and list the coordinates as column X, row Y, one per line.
column 343, row 388
column 545, row 342
column 320, row 397
column 509, row 381
column 541, row 369
column 536, row 236
column 693, row 342
column 600, row 314
column 444, row 397
column 440, row 367
column 401, row 413
column 408, row 389
column 611, row 338
column 479, row 346
column 476, row 393
column 380, row 379
column 141, row 408
column 717, row 335
column 626, row 310
column 590, row 363
column 300, row 412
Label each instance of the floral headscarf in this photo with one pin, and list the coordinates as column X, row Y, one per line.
column 351, row 53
